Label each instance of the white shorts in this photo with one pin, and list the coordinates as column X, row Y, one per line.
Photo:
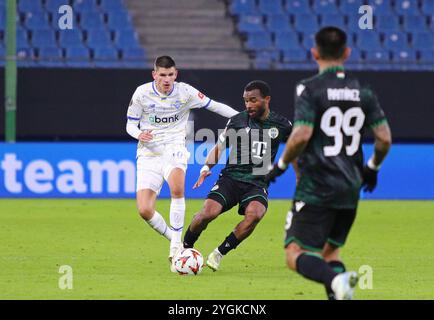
column 153, row 170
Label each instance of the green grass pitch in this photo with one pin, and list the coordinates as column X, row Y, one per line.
column 115, row 255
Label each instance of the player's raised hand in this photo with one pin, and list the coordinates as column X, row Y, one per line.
column 146, row 136
column 204, row 172
column 273, row 174
column 369, row 179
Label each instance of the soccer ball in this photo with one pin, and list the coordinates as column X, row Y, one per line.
column 188, row 262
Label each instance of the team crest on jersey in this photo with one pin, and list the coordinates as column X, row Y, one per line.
column 200, row 95
column 215, row 187
column 177, row 104
column 273, row 133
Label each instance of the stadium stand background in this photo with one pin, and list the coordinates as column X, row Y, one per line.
column 230, row 34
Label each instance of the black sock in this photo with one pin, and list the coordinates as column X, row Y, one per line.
column 338, row 267
column 190, row 238
column 313, row 267
column 231, row 242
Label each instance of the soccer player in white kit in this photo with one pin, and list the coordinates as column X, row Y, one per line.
column 157, row 117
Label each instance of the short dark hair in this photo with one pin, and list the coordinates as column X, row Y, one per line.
column 164, row 62
column 262, row 86
column 331, row 43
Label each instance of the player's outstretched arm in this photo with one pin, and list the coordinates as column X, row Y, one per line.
column 295, row 145
column 211, row 160
column 221, row 109
column 383, row 142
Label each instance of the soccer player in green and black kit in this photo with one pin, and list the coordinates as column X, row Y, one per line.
column 254, row 137
column 332, row 110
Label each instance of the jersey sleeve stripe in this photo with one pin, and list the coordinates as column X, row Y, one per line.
column 378, row 122
column 131, row 118
column 206, row 106
column 303, row 123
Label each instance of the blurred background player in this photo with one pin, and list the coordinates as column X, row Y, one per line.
column 331, row 111
column 157, row 117
column 254, row 136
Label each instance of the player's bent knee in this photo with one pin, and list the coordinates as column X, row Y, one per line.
column 211, row 210
column 146, row 212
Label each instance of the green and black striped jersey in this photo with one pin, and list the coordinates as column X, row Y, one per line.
column 254, row 145
column 339, row 109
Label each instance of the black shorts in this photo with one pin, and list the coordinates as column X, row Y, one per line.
column 229, row 192
column 311, row 226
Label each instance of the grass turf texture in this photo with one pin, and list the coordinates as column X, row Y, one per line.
column 115, row 255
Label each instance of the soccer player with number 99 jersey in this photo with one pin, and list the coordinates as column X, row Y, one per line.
column 332, row 110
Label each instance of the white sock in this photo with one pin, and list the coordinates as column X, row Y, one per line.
column 158, row 223
column 177, row 214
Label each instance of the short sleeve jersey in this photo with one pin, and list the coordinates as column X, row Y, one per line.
column 253, row 146
column 339, row 109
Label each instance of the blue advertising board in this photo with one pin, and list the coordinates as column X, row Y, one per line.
column 107, row 170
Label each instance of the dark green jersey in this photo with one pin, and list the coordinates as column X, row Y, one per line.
column 254, row 145
column 339, row 109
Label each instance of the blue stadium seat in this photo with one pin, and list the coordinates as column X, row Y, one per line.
column 265, row 59
column 325, row 7
column 98, row 39
column 270, row 6
column 82, row 6
column 30, row 6
column 92, row 20
column 22, row 38
column 387, row 22
column 298, row 7
column 306, row 23
column 277, row 22
column 118, row 20
column 431, row 22
column 427, row 7
column 51, row 57
column 368, row 40
column 350, row 7
column 25, row 57
column 395, row 41
column 78, row 57
column 44, row 38
column 133, row 53
column 333, row 19
column 54, row 5
column 111, row 5
column 377, row 56
column 243, row 7
column 106, row 57
column 268, row 55
column 259, row 41
column 294, row 55
column 308, row 40
column 404, row 55
column 286, row 40
column 423, row 41
column 353, row 23
column 381, row 6
column 355, row 56
column 36, row 21
column 124, row 40
column 250, row 24
column 406, row 7
column 134, row 58
column 70, row 38
column 426, row 56
column 414, row 23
